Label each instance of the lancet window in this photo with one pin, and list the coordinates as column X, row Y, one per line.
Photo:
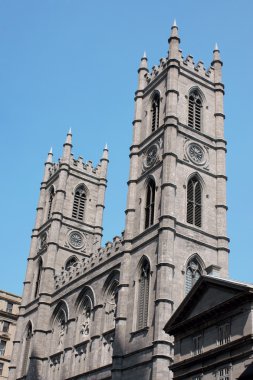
column 150, row 203
column 143, row 294
column 155, row 110
column 195, row 110
column 194, row 202
column 27, row 344
column 79, row 203
column 50, row 202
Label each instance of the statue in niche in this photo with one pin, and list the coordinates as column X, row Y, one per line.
column 61, row 327
column 111, row 308
column 85, row 326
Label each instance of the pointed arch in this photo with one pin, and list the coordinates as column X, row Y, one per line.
column 155, row 110
column 195, row 109
column 194, row 269
column 143, row 283
column 150, row 202
column 80, row 197
column 38, row 277
column 50, row 201
column 194, row 201
column 27, row 345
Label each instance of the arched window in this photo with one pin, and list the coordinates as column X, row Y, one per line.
column 150, row 204
column 70, row 262
column 39, row 271
column 143, row 295
column 194, row 110
column 50, row 202
column 155, row 111
column 194, row 202
column 79, row 203
column 27, row 343
column 193, row 273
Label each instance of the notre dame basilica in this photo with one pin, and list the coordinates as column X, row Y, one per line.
column 91, row 312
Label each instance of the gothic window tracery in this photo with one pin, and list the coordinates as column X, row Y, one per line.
column 143, row 294
column 79, row 203
column 155, row 110
column 111, row 299
column 193, row 273
column 150, row 203
column 194, row 202
column 71, row 262
column 195, row 110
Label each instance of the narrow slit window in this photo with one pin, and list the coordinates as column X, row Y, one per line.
column 37, row 285
column 150, row 204
column 155, row 111
column 79, row 203
column 27, row 349
column 195, row 111
column 194, row 202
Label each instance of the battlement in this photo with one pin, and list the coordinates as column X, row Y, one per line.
column 187, row 63
column 103, row 254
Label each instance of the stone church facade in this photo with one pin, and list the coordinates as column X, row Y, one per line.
column 92, row 312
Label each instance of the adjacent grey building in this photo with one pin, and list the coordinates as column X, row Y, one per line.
column 92, row 312
column 213, row 330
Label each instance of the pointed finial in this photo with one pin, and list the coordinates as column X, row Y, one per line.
column 175, row 23
column 216, row 47
column 144, row 55
column 69, row 132
column 69, row 137
column 105, row 153
column 50, row 156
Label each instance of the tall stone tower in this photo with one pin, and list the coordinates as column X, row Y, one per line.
column 68, row 228
column 98, row 313
column 176, row 208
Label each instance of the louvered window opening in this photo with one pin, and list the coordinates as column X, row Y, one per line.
column 194, row 111
column 150, row 204
column 143, row 296
column 37, row 285
column 155, row 112
column 193, row 273
column 194, row 202
column 79, row 204
column 51, row 198
column 26, row 350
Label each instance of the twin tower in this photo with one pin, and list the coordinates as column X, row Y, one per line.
column 90, row 312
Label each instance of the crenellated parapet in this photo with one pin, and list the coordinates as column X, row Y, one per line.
column 86, row 264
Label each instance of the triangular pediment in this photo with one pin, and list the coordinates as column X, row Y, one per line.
column 208, row 293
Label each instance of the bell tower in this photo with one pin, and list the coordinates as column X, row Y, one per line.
column 68, row 229
column 176, row 206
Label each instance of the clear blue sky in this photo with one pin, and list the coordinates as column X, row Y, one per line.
column 73, row 63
